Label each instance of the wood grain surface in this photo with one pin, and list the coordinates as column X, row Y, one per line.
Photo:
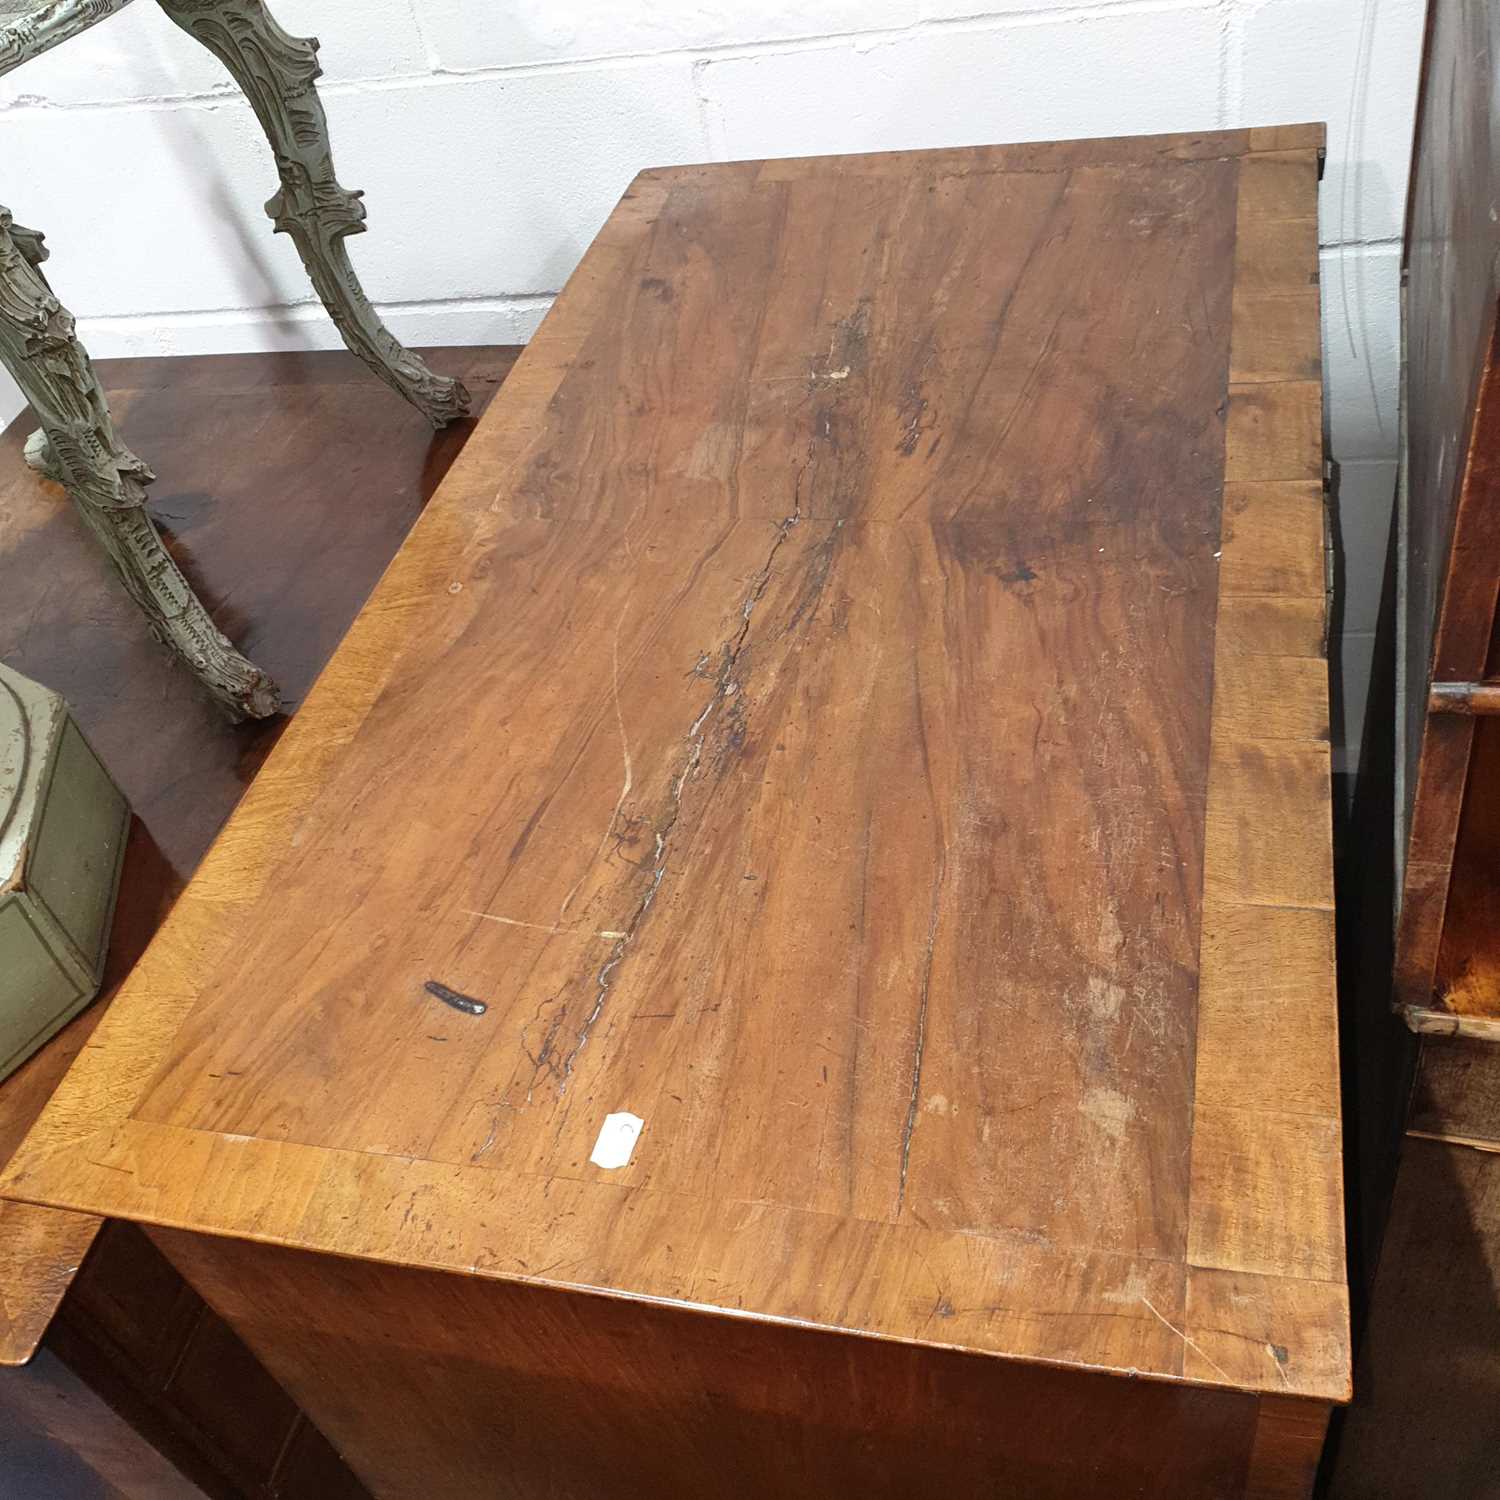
column 800, row 719
column 1468, row 962
column 1451, row 523
column 1456, row 1094
column 284, row 550
column 516, row 1392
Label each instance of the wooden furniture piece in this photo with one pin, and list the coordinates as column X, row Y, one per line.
column 1427, row 1421
column 1448, row 953
column 139, row 1377
column 77, row 443
column 135, row 1366
column 859, row 705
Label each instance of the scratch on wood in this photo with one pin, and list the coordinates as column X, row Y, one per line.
column 466, row 1003
column 552, row 927
column 489, row 916
column 489, row 1140
column 1196, row 1348
column 629, row 779
column 724, row 688
column 914, row 406
column 544, row 1056
column 848, row 348
column 921, row 1041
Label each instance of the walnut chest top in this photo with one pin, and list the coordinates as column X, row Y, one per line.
column 858, row 704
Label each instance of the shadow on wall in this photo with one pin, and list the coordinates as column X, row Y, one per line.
column 1360, row 294
column 259, row 277
column 269, row 286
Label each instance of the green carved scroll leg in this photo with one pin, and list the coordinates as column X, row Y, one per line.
column 105, row 479
column 277, row 73
column 38, row 453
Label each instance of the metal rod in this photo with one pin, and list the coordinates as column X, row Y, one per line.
column 1464, row 698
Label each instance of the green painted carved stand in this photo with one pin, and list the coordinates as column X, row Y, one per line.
column 77, row 444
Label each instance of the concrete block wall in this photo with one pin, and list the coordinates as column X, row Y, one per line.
column 492, row 141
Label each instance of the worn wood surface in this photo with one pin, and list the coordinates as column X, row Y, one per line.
column 800, row 719
column 1451, row 509
column 516, row 1391
column 284, row 553
column 1456, row 1095
column 1478, row 698
column 1468, row 965
column 141, row 1338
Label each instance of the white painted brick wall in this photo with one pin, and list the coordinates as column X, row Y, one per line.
column 492, row 140
column 1030, row 78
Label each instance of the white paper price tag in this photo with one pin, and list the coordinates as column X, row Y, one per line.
column 617, row 1138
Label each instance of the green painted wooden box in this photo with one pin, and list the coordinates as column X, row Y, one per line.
column 63, row 824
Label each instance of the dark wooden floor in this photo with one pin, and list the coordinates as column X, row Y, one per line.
column 286, row 484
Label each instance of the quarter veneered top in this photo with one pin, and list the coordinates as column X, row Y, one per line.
column 858, row 705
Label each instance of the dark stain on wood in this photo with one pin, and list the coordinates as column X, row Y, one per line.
column 466, row 1003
